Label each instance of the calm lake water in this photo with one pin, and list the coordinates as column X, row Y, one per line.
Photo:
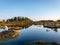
column 34, row 33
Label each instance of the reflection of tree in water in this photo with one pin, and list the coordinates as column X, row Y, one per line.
column 54, row 29
column 47, row 30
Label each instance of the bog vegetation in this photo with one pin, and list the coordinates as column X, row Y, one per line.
column 26, row 22
column 17, row 21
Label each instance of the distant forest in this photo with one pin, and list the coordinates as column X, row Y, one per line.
column 24, row 21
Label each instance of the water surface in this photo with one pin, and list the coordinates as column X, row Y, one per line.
column 34, row 33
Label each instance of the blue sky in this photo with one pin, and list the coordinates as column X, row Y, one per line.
column 34, row 9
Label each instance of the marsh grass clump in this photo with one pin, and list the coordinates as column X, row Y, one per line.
column 42, row 43
column 8, row 34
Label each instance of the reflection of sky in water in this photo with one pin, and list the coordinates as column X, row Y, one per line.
column 35, row 33
column 1, row 30
column 6, row 28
